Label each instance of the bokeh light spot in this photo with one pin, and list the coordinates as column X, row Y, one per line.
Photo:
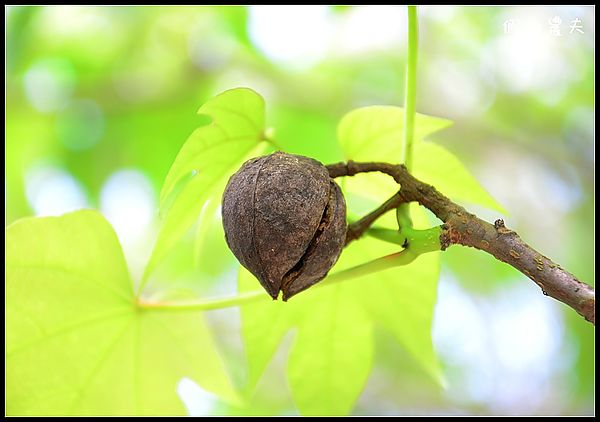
column 296, row 36
column 197, row 401
column 500, row 350
column 53, row 191
column 49, row 83
column 127, row 200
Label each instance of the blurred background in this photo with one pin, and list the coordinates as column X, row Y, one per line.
column 100, row 99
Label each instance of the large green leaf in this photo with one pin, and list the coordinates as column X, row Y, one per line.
column 402, row 299
column 333, row 320
column 325, row 379
column 333, row 353
column 263, row 326
column 210, row 155
column 437, row 166
column 211, row 253
column 375, row 134
column 76, row 342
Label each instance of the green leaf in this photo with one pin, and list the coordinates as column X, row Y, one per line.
column 366, row 191
column 332, row 355
column 210, row 155
column 238, row 117
column 375, row 133
column 263, row 327
column 437, row 166
column 324, row 378
column 333, row 320
column 211, row 253
column 402, row 299
column 76, row 342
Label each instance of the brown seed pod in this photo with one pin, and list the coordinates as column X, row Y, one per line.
column 285, row 221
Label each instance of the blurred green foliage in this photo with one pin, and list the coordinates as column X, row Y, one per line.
column 94, row 90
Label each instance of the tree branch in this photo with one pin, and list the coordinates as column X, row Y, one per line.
column 463, row 228
column 357, row 229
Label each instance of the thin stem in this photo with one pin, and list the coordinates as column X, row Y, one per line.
column 410, row 98
column 400, row 258
column 387, row 235
column 208, row 304
column 423, row 241
column 397, row 259
column 410, row 86
column 403, row 217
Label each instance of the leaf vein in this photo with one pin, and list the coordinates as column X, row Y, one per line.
column 96, row 368
column 67, row 329
column 75, row 274
column 237, row 113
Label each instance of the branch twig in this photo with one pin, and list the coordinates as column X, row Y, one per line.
column 463, row 228
column 357, row 229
